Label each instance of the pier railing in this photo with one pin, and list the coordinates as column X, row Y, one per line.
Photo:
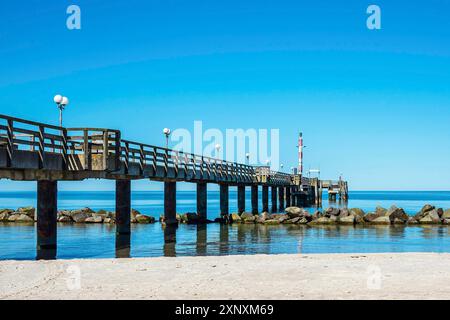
column 32, row 145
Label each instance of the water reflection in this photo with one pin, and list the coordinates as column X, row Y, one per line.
column 123, row 245
column 170, row 240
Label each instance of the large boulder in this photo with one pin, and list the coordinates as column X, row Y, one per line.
column 20, row 217
column 29, row 211
column 65, row 219
column 141, row 218
column 424, row 211
column 395, row 213
column 322, row 220
column 5, row 214
column 350, row 220
column 332, row 212
column 357, row 212
column 94, row 219
column 79, row 216
column 370, row 217
column 380, row 211
column 431, row 217
column 294, row 212
column 263, row 217
column 384, row 220
column 248, row 217
column 280, row 217
column 272, row 222
column 412, row 220
column 446, row 214
column 344, row 212
column 235, row 218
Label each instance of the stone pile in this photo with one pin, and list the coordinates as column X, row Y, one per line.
column 85, row 215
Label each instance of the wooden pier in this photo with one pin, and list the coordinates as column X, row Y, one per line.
column 33, row 151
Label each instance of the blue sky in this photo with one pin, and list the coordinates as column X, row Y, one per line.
column 372, row 104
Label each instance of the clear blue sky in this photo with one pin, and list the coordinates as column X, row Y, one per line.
column 374, row 105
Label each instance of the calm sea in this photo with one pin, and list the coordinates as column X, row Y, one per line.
column 99, row 241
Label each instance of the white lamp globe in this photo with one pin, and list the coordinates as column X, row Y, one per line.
column 58, row 98
column 218, row 147
column 247, row 155
column 65, row 101
column 166, row 131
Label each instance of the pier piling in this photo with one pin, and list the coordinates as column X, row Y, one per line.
column 288, row 196
column 241, row 198
column 170, row 202
column 224, row 201
column 47, row 207
column 202, row 196
column 255, row 199
column 281, row 198
column 274, row 199
column 123, row 206
column 265, row 199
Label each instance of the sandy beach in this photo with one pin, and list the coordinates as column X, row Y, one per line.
column 321, row 276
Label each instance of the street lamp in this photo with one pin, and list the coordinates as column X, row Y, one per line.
column 61, row 103
column 167, row 133
column 247, row 156
column 282, row 166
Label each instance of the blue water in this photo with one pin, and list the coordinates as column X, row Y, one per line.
column 99, row 241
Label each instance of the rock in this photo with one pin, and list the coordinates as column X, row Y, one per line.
column 385, row 220
column 399, row 221
column 109, row 220
column 446, row 221
column 322, row 220
column 357, row 212
column 332, row 212
column 370, row 217
column 5, row 214
column 412, row 220
column 29, row 211
column 294, row 212
column 431, row 217
column 351, row 219
column 379, row 211
column 334, row 219
column 272, row 222
column 303, row 221
column 397, row 213
column 440, row 212
column 280, row 217
column 317, row 214
column 446, row 214
column 20, row 217
column 141, row 218
column 94, row 219
column 263, row 217
column 344, row 213
column 246, row 216
column 133, row 215
column 294, row 220
column 79, row 216
column 423, row 212
column 64, row 218
column 235, row 218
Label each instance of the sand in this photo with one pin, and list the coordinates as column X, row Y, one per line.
column 320, row 276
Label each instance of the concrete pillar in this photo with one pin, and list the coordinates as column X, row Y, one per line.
column 47, row 206
column 224, row 201
column 123, row 206
column 293, row 198
column 202, row 196
column 281, row 198
column 288, row 197
column 241, row 198
column 274, row 199
column 255, row 199
column 265, row 199
column 170, row 202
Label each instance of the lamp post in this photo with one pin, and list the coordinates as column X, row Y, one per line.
column 61, row 103
column 167, row 133
column 247, row 156
column 282, row 166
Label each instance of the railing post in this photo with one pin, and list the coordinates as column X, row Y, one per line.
column 64, row 149
column 86, row 149
column 118, row 149
column 41, row 146
column 142, row 159
column 126, row 156
column 10, row 146
column 105, row 149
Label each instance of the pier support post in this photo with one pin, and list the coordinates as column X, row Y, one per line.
column 47, row 206
column 123, row 206
column 224, row 201
column 265, row 199
column 274, row 199
column 170, row 202
column 241, row 198
column 202, row 196
column 281, row 198
column 255, row 199
column 288, row 197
